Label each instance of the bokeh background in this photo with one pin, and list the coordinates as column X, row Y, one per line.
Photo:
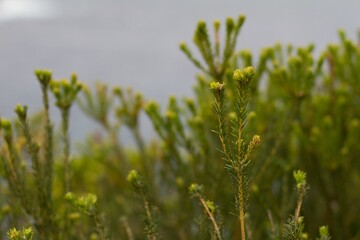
column 135, row 42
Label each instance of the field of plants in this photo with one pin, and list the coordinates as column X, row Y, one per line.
column 267, row 148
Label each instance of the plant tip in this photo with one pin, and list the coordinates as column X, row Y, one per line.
column 244, row 75
column 195, row 189
column 217, row 25
column 300, row 178
column 44, row 76
column 216, row 86
column 256, row 139
column 133, row 176
column 324, row 231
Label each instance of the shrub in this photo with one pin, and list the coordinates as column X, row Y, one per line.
column 205, row 175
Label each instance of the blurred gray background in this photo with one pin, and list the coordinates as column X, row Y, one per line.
column 135, row 42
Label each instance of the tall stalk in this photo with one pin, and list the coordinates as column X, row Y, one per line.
column 231, row 118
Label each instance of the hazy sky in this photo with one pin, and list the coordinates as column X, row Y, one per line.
column 136, row 42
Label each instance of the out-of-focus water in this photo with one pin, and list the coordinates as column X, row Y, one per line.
column 135, row 42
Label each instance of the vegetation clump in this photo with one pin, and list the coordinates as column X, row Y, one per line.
column 224, row 164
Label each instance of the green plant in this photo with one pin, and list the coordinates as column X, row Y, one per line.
column 29, row 169
column 24, row 234
column 196, row 191
column 88, row 206
column 41, row 162
column 236, row 151
column 294, row 228
column 324, row 233
column 140, row 188
column 305, row 108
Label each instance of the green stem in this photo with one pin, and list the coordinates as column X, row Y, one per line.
column 118, row 147
column 48, row 142
column 241, row 206
column 298, row 207
column 211, row 217
column 151, row 233
column 144, row 157
column 100, row 228
column 239, row 173
column 15, row 181
column 66, row 157
column 129, row 234
column 66, row 164
column 46, row 223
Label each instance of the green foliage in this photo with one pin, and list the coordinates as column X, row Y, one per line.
column 88, row 206
column 217, row 64
column 294, row 227
column 24, row 234
column 140, row 188
column 324, row 233
column 17, row 170
column 237, row 153
column 210, row 209
column 29, row 167
column 305, row 107
column 65, row 92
